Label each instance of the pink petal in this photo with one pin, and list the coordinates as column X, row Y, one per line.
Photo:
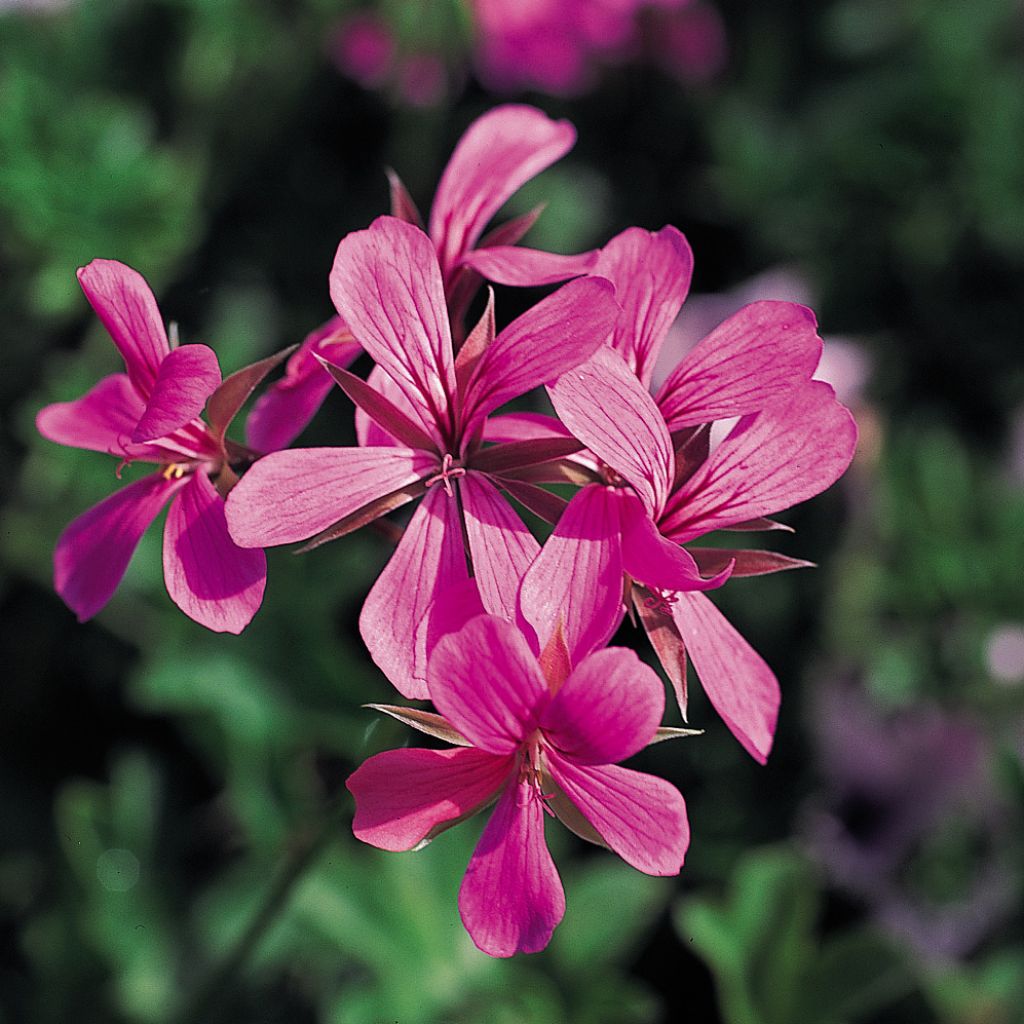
column 577, row 577
column 640, row 817
column 520, row 267
column 651, row 272
column 742, row 688
column 428, row 560
column 386, row 284
column 211, row 579
column 291, row 495
column 499, row 153
column 608, row 709
column 608, row 409
column 786, row 454
column 184, row 381
column 370, row 434
column 511, row 899
column 125, row 304
column 486, row 681
column 553, row 336
column 93, row 552
column 744, row 364
column 523, row 426
column 501, row 548
column 402, row 796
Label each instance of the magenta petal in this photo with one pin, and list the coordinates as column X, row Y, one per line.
column 744, row 364
column 428, row 560
column 291, row 495
column 403, row 795
column 608, row 709
column 520, row 267
column 640, row 817
column 93, row 552
column 370, row 434
column 577, row 577
column 184, row 381
column 209, row 577
column 511, row 899
column 742, row 688
column 523, row 426
column 125, row 304
column 610, row 411
column 387, row 286
column 486, row 681
column 499, row 153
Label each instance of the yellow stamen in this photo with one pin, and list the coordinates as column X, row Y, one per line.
column 173, row 471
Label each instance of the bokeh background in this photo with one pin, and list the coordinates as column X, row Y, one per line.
column 174, row 841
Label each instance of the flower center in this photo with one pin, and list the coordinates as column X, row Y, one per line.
column 449, row 472
column 175, row 470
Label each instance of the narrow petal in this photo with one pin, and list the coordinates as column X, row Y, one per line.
column 486, row 681
column 511, row 899
column 607, row 710
column 655, row 616
column 745, row 561
column 92, row 554
column 742, row 688
column 370, row 434
column 744, row 364
column 291, row 495
column 184, row 381
column 523, row 426
column 607, row 408
column 209, row 577
column 428, row 560
column 499, row 153
column 520, row 267
column 386, row 285
column 125, row 304
column 403, row 796
column 640, row 817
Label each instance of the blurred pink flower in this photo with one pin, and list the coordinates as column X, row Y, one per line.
column 363, row 47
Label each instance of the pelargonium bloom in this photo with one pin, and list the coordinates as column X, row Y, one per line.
column 151, row 413
column 538, row 738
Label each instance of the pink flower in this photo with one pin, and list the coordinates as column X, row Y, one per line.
column 151, row 414
column 539, row 738
column 363, row 47
column 425, row 410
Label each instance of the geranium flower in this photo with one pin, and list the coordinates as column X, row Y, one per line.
column 151, row 414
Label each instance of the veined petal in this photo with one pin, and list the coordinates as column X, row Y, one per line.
column 184, row 381
column 93, row 552
column 520, row 267
column 607, row 710
column 370, row 434
column 651, row 272
column 641, row 817
column 749, row 361
column 498, row 154
column 742, row 688
column 403, row 796
column 794, row 449
column 125, row 304
column 209, row 577
column 486, row 681
column 387, row 286
column 291, row 495
column 523, row 426
column 511, row 899
column 607, row 408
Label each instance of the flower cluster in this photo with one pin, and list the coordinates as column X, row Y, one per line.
column 506, row 637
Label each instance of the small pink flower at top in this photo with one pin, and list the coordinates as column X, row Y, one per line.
column 151, row 414
column 540, row 738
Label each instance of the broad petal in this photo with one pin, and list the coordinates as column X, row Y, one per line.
column 577, row 577
column 550, row 338
column 607, row 710
column 744, row 364
column 486, row 681
column 386, row 285
column 403, row 796
column 523, row 426
column 209, row 577
column 742, row 688
column 791, row 451
column 520, row 267
column 651, row 272
column 184, row 381
column 640, row 817
column 608, row 409
column 511, row 899
column 498, row 154
column 93, row 552
column 291, row 495
column 125, row 304
column 428, row 560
